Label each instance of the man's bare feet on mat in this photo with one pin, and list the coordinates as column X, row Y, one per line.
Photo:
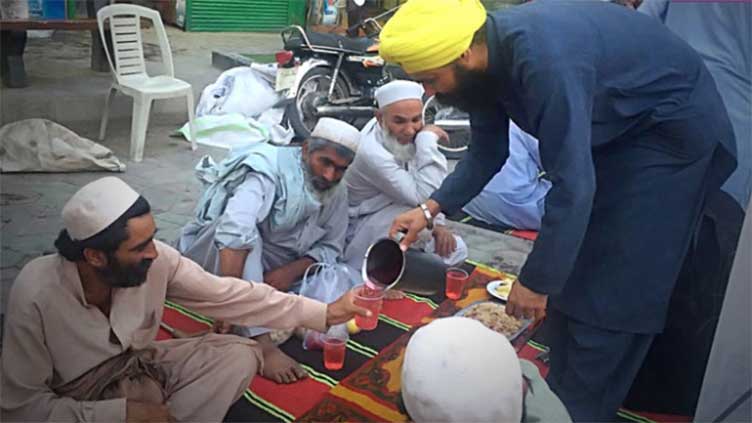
column 279, row 366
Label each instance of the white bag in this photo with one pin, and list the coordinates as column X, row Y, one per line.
column 327, row 284
column 243, row 90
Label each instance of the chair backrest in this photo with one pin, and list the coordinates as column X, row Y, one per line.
column 127, row 57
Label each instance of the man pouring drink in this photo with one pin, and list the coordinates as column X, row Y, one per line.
column 632, row 140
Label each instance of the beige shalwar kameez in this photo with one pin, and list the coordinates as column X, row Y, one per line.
column 52, row 336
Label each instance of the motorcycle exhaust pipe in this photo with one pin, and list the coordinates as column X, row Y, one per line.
column 345, row 111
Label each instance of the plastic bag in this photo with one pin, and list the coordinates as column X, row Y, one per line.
column 325, row 282
column 241, row 90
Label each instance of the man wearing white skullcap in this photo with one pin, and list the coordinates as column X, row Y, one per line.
column 397, row 167
column 457, row 370
column 268, row 213
column 80, row 326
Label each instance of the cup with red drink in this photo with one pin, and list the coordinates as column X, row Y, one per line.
column 455, row 282
column 371, row 297
column 335, row 342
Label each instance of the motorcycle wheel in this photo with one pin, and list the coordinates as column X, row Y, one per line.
column 313, row 91
column 459, row 139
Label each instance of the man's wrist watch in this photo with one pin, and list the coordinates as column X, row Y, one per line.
column 427, row 214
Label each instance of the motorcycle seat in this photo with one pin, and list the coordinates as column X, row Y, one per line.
column 331, row 41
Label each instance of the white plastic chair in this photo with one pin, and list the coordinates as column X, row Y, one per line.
column 129, row 70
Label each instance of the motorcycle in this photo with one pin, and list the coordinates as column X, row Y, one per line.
column 452, row 120
column 329, row 75
column 336, row 76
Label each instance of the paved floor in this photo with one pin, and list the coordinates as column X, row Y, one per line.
column 30, row 204
column 65, row 89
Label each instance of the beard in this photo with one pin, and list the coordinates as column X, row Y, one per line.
column 322, row 189
column 122, row 276
column 471, row 92
column 403, row 153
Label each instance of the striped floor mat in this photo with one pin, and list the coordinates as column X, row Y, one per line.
column 367, row 388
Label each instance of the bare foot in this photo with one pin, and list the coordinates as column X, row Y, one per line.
column 221, row 327
column 393, row 294
column 278, row 366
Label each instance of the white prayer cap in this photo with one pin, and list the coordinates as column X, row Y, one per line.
column 96, row 206
column 397, row 91
column 457, row 370
column 338, row 132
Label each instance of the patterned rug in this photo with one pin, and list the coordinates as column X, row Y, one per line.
column 367, row 388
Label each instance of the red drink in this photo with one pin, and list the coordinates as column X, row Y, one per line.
column 455, row 281
column 334, row 353
column 370, row 298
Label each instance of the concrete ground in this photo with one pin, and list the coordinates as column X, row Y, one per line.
column 64, row 89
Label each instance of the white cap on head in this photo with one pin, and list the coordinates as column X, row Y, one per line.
column 96, row 206
column 337, row 132
column 457, row 370
column 397, row 91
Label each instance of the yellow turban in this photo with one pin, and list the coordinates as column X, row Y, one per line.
column 428, row 34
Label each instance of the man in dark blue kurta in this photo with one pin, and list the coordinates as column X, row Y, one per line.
column 632, row 133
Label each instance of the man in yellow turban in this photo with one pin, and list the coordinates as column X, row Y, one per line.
column 633, row 138
column 426, row 35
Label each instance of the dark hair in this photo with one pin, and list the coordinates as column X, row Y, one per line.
column 108, row 240
column 315, row 144
column 480, row 36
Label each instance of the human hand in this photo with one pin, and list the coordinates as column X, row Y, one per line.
column 411, row 222
column 139, row 412
column 436, row 130
column 344, row 309
column 445, row 241
column 280, row 278
column 526, row 303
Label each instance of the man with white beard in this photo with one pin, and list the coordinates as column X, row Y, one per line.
column 397, row 167
column 270, row 212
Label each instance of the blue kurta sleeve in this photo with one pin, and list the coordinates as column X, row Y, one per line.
column 488, row 150
column 655, row 8
column 558, row 103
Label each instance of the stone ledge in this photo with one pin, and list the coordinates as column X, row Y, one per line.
column 226, row 60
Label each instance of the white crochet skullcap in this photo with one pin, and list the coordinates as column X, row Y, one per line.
column 457, row 370
column 338, row 132
column 397, row 91
column 96, row 206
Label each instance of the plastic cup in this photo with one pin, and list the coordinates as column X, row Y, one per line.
column 335, row 341
column 313, row 340
column 370, row 298
column 455, row 282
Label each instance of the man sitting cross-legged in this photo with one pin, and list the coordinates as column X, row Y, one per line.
column 80, row 326
column 397, row 167
column 269, row 213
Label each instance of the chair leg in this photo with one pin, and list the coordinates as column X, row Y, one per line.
column 106, row 113
column 139, row 123
column 191, row 118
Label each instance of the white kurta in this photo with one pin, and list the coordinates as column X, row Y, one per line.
column 53, row 336
column 379, row 187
